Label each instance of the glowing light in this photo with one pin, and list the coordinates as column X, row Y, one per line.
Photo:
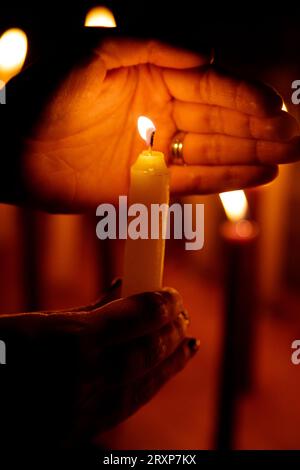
column 13, row 50
column 284, row 108
column 235, row 204
column 100, row 17
column 146, row 128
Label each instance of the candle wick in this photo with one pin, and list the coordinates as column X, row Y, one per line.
column 151, row 141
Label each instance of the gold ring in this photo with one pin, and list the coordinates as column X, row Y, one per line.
column 177, row 150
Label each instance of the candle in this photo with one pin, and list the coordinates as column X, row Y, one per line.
column 239, row 235
column 149, row 184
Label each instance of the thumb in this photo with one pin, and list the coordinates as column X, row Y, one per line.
column 126, row 52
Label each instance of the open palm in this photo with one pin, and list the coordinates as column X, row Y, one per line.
column 86, row 138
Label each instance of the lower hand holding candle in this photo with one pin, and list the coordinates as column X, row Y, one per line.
column 85, row 370
column 80, row 127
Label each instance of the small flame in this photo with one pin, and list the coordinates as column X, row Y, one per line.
column 146, row 129
column 100, row 17
column 235, row 204
column 284, row 108
column 13, row 50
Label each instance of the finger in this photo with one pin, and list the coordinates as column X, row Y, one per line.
column 117, row 321
column 134, row 316
column 219, row 149
column 215, row 87
column 210, row 179
column 203, row 118
column 112, row 293
column 141, row 392
column 126, row 52
column 135, row 359
column 127, row 400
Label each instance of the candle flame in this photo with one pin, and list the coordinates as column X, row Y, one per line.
column 284, row 108
column 100, row 17
column 13, row 50
column 146, row 129
column 235, row 204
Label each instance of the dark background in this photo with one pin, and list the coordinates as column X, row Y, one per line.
column 52, row 262
column 255, row 33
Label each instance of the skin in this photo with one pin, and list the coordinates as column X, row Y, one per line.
column 96, row 365
column 80, row 148
column 71, row 375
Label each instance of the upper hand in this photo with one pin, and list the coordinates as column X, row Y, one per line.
column 80, row 150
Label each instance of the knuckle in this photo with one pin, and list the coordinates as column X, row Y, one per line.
column 154, row 308
column 153, row 46
column 172, row 295
column 206, row 84
column 152, row 304
column 240, row 90
column 216, row 149
column 230, row 176
column 216, row 120
column 180, row 326
column 158, row 304
column 252, row 126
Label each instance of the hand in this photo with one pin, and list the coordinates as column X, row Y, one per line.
column 72, row 375
column 86, row 137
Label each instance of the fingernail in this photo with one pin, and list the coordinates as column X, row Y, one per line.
column 176, row 297
column 194, row 344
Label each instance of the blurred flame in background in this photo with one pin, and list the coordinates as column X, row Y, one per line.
column 100, row 17
column 235, row 204
column 13, row 51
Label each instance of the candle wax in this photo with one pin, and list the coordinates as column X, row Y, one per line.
column 144, row 258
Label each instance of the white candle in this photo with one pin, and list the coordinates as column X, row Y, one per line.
column 149, row 184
